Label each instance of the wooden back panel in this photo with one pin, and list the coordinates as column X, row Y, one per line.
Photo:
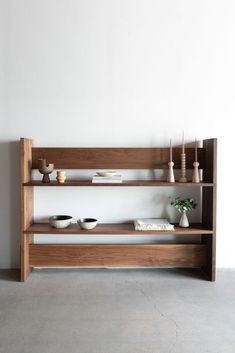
column 114, row 158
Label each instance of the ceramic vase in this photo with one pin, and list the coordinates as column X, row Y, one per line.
column 45, row 169
column 184, row 220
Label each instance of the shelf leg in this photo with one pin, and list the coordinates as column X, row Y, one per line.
column 27, row 205
column 209, row 269
column 25, row 268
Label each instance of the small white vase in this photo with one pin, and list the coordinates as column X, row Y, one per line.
column 184, row 220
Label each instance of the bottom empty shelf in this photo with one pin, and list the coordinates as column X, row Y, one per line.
column 103, row 255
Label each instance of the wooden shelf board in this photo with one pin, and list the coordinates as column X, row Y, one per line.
column 115, row 158
column 121, row 255
column 113, row 229
column 123, row 184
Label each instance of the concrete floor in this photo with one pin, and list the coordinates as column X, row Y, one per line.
column 117, row 311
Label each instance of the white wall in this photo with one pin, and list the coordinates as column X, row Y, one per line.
column 115, row 73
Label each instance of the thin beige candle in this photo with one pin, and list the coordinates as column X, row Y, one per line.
column 183, row 144
column 195, row 150
column 170, row 151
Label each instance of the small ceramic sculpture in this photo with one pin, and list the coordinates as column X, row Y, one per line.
column 196, row 177
column 61, row 177
column 170, row 176
column 45, row 169
column 183, row 178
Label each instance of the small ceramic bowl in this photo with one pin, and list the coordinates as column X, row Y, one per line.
column 106, row 173
column 60, row 221
column 87, row 223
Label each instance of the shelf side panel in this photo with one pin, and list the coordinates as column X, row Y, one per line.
column 27, row 206
column 174, row 255
column 209, row 205
column 114, row 158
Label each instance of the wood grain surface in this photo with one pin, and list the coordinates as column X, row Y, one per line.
column 27, row 203
column 114, row 158
column 114, row 228
column 180, row 255
column 209, row 205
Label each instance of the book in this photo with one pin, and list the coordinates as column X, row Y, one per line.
column 101, row 179
column 152, row 224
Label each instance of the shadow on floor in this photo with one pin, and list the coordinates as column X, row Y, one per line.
column 10, row 204
column 10, row 275
column 14, row 275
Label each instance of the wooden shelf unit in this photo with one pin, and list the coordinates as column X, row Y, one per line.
column 176, row 255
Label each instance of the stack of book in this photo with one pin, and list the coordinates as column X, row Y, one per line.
column 153, row 224
column 107, row 179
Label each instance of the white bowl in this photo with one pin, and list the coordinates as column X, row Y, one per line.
column 60, row 221
column 87, row 223
column 106, row 173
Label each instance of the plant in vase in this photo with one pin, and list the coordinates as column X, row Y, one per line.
column 183, row 206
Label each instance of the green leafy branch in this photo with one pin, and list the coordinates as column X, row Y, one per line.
column 184, row 205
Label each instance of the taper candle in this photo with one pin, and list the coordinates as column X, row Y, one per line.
column 170, row 151
column 183, row 143
column 195, row 150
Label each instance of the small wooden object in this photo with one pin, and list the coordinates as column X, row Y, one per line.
column 61, row 177
column 183, row 178
column 196, row 177
column 45, row 169
column 170, row 176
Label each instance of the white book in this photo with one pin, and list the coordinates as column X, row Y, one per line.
column 153, row 224
column 101, row 179
column 118, row 176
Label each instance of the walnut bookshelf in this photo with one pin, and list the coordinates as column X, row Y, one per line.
column 191, row 255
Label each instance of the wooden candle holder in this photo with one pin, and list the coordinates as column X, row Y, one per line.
column 183, row 178
column 170, row 176
column 196, row 177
